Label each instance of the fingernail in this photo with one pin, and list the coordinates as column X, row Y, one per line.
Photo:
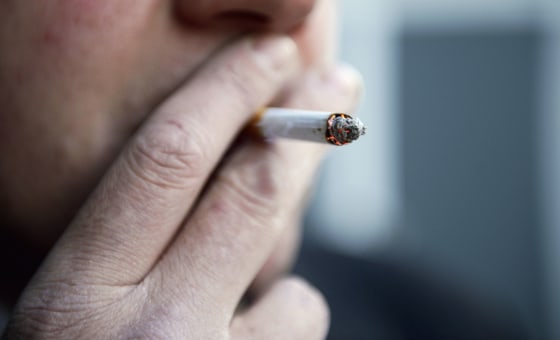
column 346, row 77
column 276, row 48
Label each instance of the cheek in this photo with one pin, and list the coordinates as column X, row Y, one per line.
column 72, row 58
column 66, row 65
column 73, row 38
column 76, row 77
column 55, row 98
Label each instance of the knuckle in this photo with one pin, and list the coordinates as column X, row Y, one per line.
column 256, row 189
column 50, row 310
column 352, row 85
column 168, row 155
column 62, row 309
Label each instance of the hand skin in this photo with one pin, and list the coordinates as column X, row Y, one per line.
column 78, row 77
column 153, row 255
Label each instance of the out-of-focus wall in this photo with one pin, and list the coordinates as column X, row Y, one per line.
column 539, row 300
column 458, row 15
column 549, row 131
column 470, row 122
column 469, row 145
column 512, row 244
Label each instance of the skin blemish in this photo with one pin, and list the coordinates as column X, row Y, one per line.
column 48, row 38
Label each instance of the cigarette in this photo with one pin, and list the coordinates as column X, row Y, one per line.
column 314, row 126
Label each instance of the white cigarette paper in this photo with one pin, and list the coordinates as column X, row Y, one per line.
column 314, row 126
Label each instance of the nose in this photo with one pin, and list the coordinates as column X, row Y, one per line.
column 277, row 15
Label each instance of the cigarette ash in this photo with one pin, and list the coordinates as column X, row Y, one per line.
column 344, row 129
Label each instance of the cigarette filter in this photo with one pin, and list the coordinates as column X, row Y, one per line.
column 314, row 126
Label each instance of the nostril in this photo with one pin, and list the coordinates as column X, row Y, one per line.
column 247, row 19
column 273, row 15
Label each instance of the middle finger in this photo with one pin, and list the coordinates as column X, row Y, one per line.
column 249, row 204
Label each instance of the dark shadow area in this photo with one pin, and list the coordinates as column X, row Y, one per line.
column 387, row 299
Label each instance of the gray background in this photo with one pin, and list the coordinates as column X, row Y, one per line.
column 462, row 172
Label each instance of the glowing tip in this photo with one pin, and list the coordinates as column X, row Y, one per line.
column 344, row 129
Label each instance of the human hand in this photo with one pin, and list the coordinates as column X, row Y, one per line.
column 316, row 39
column 153, row 255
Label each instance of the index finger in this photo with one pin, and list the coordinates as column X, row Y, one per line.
column 132, row 215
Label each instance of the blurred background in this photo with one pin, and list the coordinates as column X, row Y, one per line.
column 443, row 222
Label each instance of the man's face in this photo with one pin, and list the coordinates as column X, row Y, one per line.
column 77, row 77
